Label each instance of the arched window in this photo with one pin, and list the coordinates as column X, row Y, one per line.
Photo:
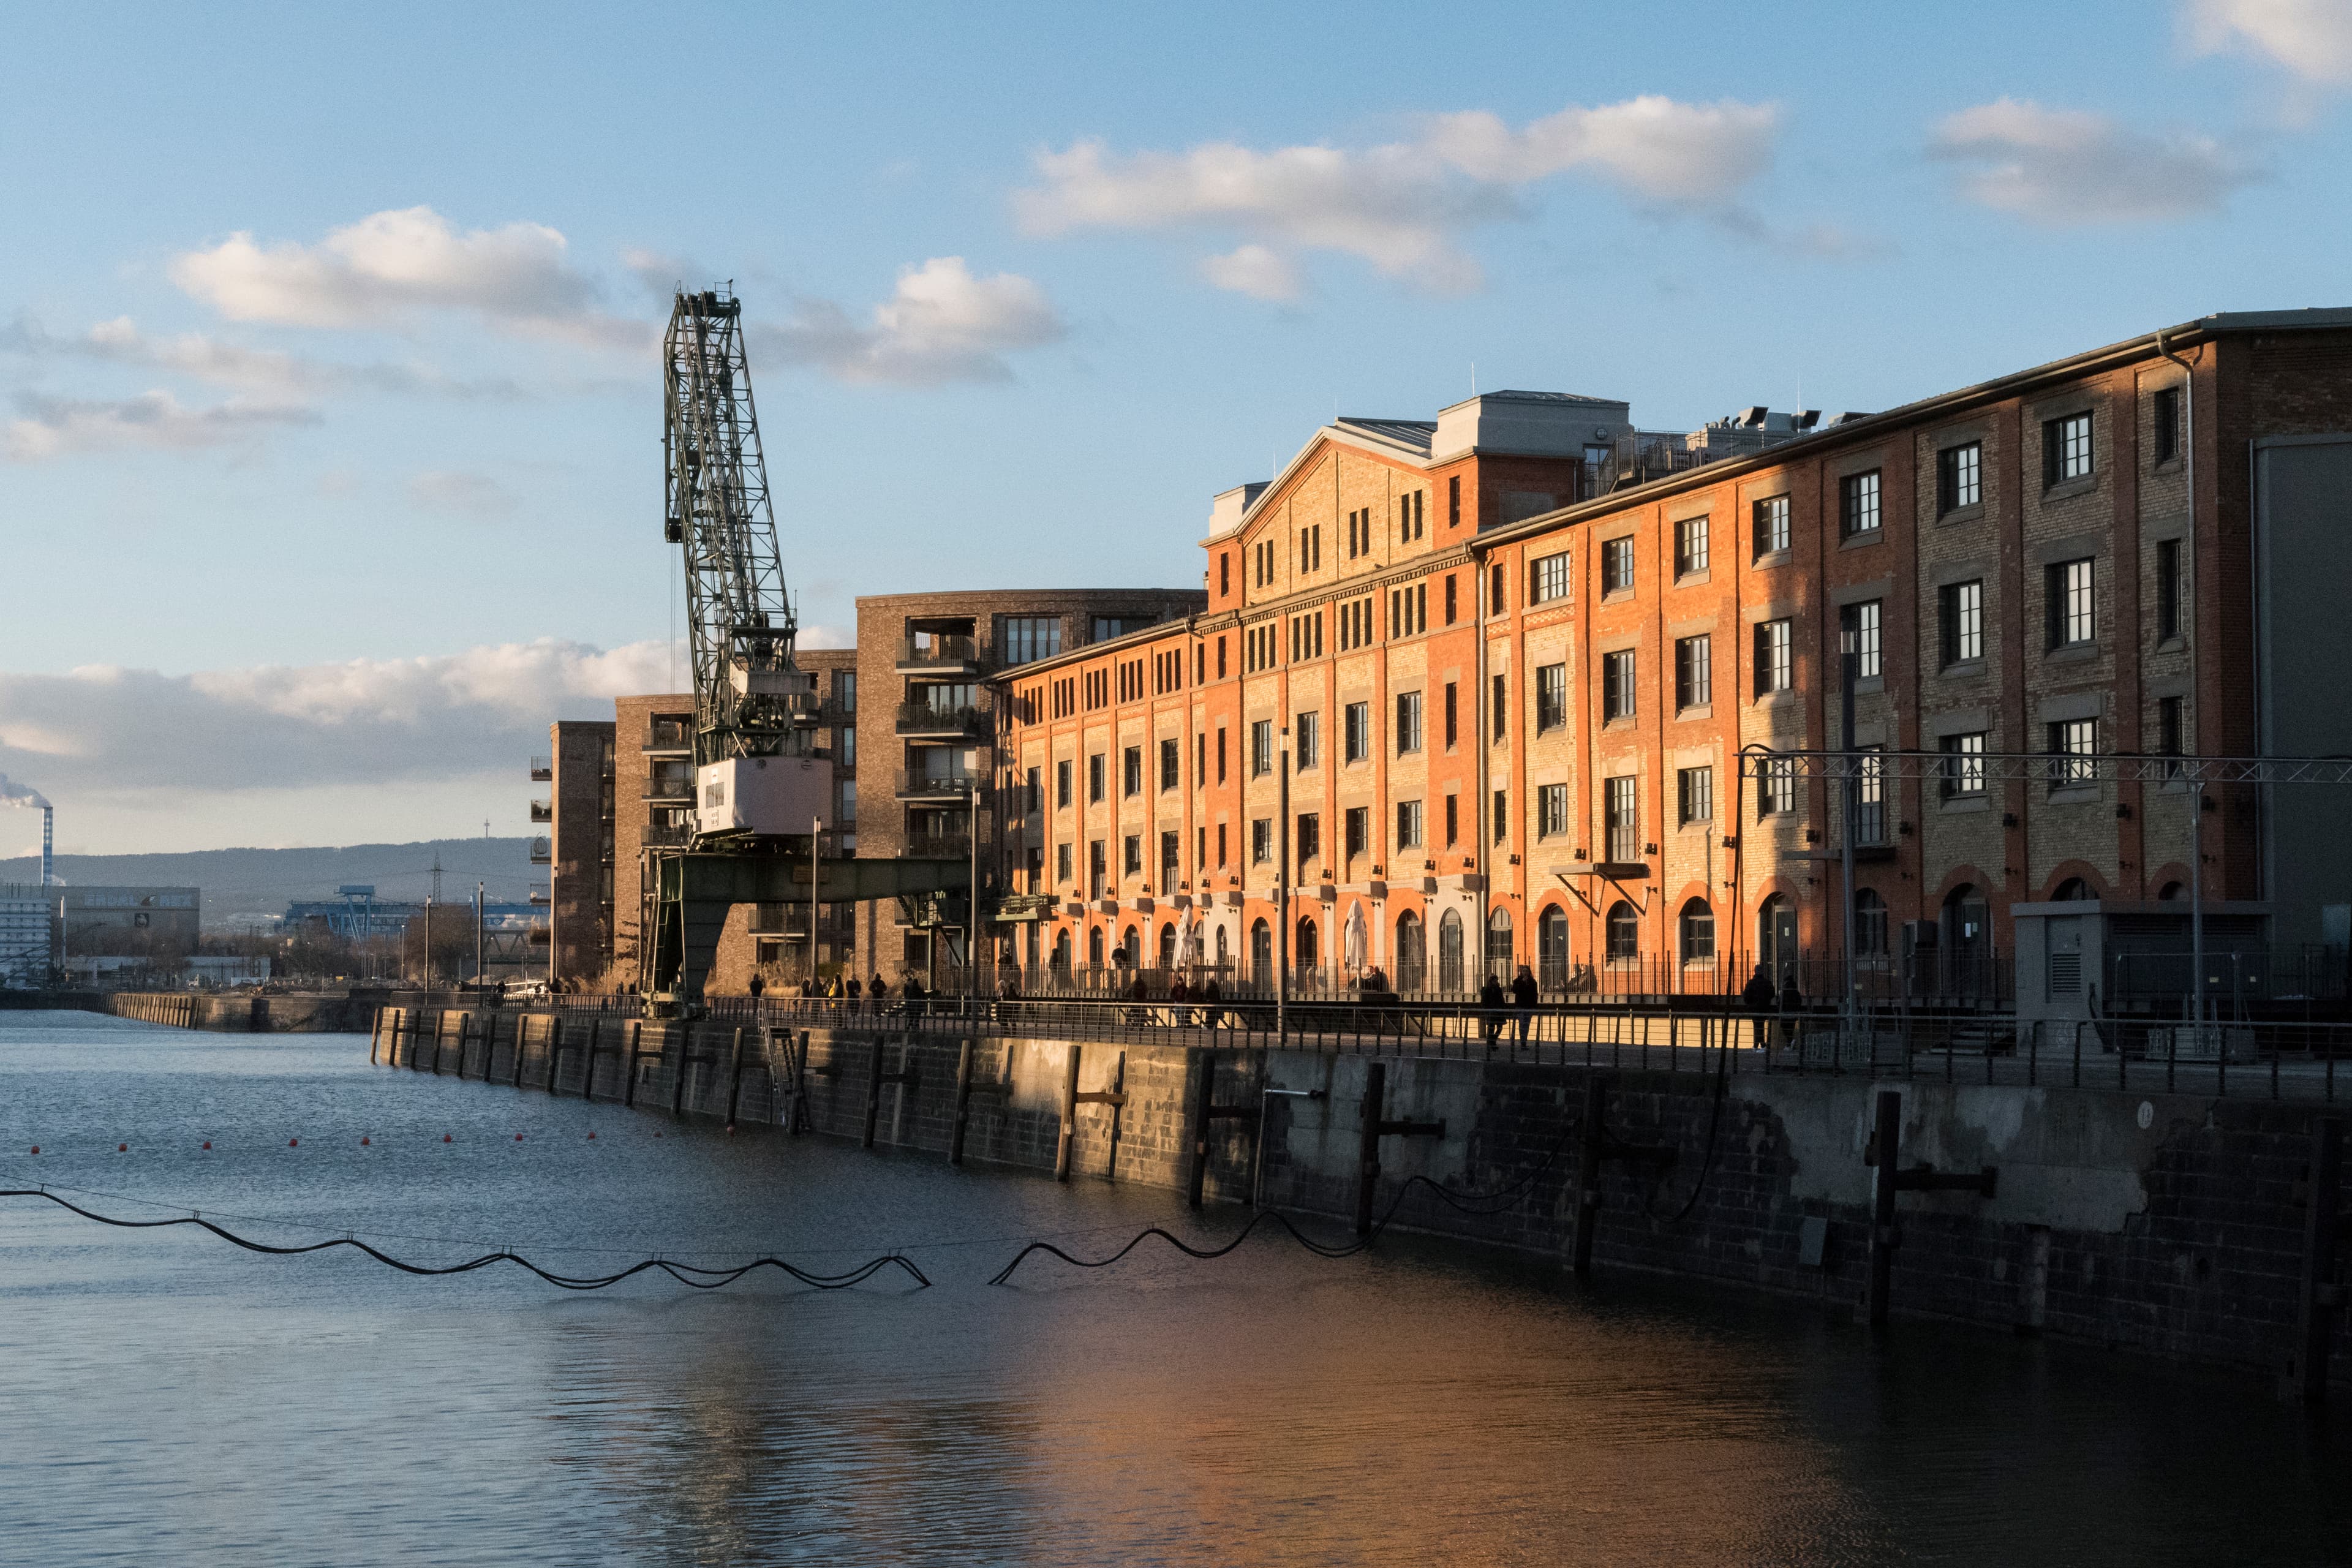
column 1260, row 955
column 1869, row 925
column 1695, row 931
column 1168, row 945
column 1221, row 947
column 1412, row 953
column 1776, row 937
column 1551, row 949
column 2171, row 892
column 1095, row 947
column 1500, row 953
column 1449, row 952
column 1624, row 933
column 1131, row 948
column 2074, row 889
column 1061, row 952
column 1306, row 952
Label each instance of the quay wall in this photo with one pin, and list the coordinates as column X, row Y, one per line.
column 238, row 1012
column 2172, row 1224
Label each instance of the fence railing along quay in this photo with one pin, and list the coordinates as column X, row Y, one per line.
column 2275, row 1060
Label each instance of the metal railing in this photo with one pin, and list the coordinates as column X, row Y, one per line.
column 939, row 649
column 542, row 811
column 542, row 852
column 925, row 718
column 936, row 846
column 912, row 782
column 542, row 770
column 668, row 784
column 669, row 735
column 667, row 835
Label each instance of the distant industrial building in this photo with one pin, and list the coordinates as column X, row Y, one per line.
column 28, row 939
column 135, row 921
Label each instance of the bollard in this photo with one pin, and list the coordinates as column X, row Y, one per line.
column 678, row 1085
column 873, row 1092
column 1367, row 1145
column 375, row 1031
column 962, row 1103
column 440, row 1027
column 1587, row 1176
column 2317, row 1296
column 636, row 1036
column 1069, row 1120
column 596, row 1037
column 735, row 1078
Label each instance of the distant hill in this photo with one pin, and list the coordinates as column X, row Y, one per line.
column 241, row 885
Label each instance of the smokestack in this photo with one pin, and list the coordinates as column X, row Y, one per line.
column 17, row 794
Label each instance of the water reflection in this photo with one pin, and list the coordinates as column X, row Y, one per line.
column 168, row 1398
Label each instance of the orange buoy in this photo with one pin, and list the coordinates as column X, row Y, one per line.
column 208, row 1144
column 36, row 1148
column 518, row 1137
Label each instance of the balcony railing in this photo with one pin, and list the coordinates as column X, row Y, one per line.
column 540, row 896
column 939, row 651
column 924, row 719
column 937, row 846
column 669, row 735
column 670, row 785
column 542, row 852
column 921, row 785
column 667, row 835
column 542, row 770
column 542, row 811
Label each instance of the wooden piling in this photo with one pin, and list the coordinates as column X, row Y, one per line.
column 1886, row 1145
column 596, row 1042
column 1069, row 1118
column 1204, row 1104
column 678, row 1086
column 1368, row 1161
column 636, row 1040
column 735, row 1079
column 375, row 1033
column 873, row 1092
column 962, row 1103
column 1589, row 1147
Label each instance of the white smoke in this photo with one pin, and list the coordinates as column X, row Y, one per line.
column 17, row 794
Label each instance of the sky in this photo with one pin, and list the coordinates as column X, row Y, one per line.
column 329, row 413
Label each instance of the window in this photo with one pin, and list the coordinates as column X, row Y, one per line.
column 1131, row 854
column 1062, row 863
column 1551, row 810
column 2066, row 449
column 1771, row 518
column 1451, row 727
column 1098, row 869
column 1551, row 697
column 1022, row 638
column 1502, row 816
column 1412, row 516
column 1201, row 761
column 1261, row 840
column 2166, row 412
column 1453, row 821
column 1131, row 768
column 1224, row 573
column 1694, row 672
column 1261, row 748
column 1858, row 504
column 1964, row 765
column 1869, row 924
column 1356, row 723
column 1408, row 722
column 1959, row 477
column 1774, row 658
column 1171, row 764
column 1408, row 825
column 1033, row 793
column 1548, row 579
column 1500, row 705
column 1617, row 685
column 1960, row 607
column 1106, row 627
column 1062, row 786
column 1494, row 605
column 1617, row 564
column 1690, row 546
column 1310, row 836
column 1221, row 845
column 1199, row 850
column 2068, row 604
column 2072, row 742
column 1094, row 778
column 1858, row 627
column 1306, row 734
column 1776, row 788
column 1623, row 806
column 1695, row 795
column 1695, row 928
column 2168, row 589
column 2171, row 729
column 1870, row 797
column 1221, row 659
column 1355, row 824
column 1453, row 502
column 1452, row 598
column 1221, row 754
column 1624, row 933
column 1551, row 949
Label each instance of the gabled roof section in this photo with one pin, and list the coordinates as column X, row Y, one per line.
column 1408, row 436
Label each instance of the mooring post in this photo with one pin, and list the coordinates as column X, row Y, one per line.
column 1887, row 1145
column 596, row 1043
column 962, row 1103
column 629, row 1090
column 1368, row 1160
column 735, row 1078
column 376, row 1030
column 873, row 1091
column 1588, row 1150
column 2319, row 1295
column 1069, row 1118
column 1204, row 1104
column 440, row 1032
column 685, row 1066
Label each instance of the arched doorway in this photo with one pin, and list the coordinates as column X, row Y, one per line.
column 1260, row 954
column 1449, row 953
column 1412, row 953
column 1551, row 949
column 1869, row 924
column 1500, row 953
column 1222, row 958
column 1168, row 945
column 1095, row 947
column 1062, row 953
column 1131, row 947
column 1776, row 938
column 1306, row 952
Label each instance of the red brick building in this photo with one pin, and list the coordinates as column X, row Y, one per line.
column 1513, row 655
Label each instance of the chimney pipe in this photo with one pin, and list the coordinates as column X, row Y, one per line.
column 48, row 844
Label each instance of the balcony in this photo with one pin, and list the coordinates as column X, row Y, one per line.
column 919, row 784
column 937, row 846
column 940, row 652
column 669, row 737
column 542, row 770
column 921, row 721
column 542, row 811
column 540, row 896
column 542, row 852
column 667, row 835
column 670, row 786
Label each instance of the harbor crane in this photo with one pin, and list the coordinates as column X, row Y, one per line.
column 762, row 785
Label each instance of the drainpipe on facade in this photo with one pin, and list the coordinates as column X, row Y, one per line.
column 1483, row 742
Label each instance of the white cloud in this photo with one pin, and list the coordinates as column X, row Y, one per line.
column 461, row 494
column 222, row 364
column 2308, row 38
column 53, row 426
column 1402, row 207
column 393, row 266
column 2069, row 167
column 941, row 324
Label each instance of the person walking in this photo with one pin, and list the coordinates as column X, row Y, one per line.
column 759, row 987
column 1792, row 1008
column 854, row 990
column 1180, row 994
column 1523, row 1002
column 1212, row 1003
column 1490, row 1008
column 1758, row 997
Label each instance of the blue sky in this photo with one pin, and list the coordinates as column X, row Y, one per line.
column 329, row 439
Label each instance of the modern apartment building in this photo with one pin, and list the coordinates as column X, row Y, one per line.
column 580, row 813
column 1509, row 660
